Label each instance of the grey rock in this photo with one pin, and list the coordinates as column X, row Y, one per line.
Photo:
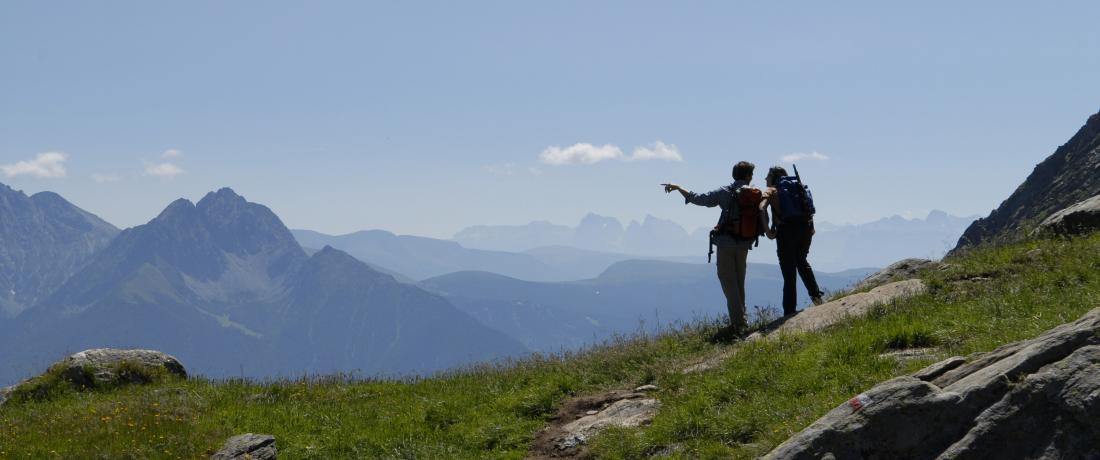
column 1037, row 398
column 646, row 388
column 1079, row 219
column 901, row 270
column 102, row 362
column 248, row 446
column 830, row 313
column 630, row 412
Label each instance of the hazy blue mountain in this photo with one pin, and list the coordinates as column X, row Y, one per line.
column 584, row 264
column 400, row 277
column 650, row 237
column 422, row 258
column 835, row 247
column 224, row 286
column 43, row 241
column 884, row 241
column 628, row 296
column 514, row 238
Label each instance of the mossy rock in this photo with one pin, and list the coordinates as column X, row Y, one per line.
column 98, row 369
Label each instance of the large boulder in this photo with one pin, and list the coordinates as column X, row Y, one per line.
column 1083, row 217
column 91, row 369
column 248, row 446
column 1033, row 399
column 104, row 364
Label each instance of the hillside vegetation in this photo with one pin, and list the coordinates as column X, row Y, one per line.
column 766, row 392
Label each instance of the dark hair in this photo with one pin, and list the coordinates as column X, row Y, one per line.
column 743, row 170
column 775, row 173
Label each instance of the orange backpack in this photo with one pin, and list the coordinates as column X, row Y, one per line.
column 742, row 219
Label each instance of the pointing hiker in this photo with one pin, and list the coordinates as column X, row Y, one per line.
column 739, row 226
column 792, row 228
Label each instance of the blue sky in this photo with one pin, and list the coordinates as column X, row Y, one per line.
column 424, row 118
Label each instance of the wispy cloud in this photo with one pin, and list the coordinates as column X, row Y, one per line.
column 506, row 169
column 167, row 167
column 585, row 153
column 163, row 169
column 105, row 178
column 46, row 165
column 791, row 158
column 658, row 151
column 581, row 153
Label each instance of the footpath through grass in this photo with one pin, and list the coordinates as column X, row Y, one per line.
column 768, row 391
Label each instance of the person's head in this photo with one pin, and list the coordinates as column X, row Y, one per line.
column 774, row 174
column 743, row 170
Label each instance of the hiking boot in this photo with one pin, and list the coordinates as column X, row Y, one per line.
column 818, row 300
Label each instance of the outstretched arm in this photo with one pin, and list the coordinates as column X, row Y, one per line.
column 709, row 199
column 670, row 187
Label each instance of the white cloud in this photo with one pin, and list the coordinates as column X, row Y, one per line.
column 581, row 153
column 104, row 178
column 659, row 151
column 171, row 153
column 163, row 169
column 45, row 165
column 534, row 171
column 803, row 156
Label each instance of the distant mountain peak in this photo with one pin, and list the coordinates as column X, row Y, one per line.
column 224, row 196
column 176, row 210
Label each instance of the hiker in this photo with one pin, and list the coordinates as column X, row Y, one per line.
column 739, row 226
column 792, row 228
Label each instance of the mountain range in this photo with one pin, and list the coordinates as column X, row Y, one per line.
column 223, row 285
column 835, row 247
column 43, row 240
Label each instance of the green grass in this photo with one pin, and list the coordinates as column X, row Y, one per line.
column 768, row 391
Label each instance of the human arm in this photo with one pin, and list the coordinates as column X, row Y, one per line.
column 709, row 199
column 670, row 187
column 765, row 219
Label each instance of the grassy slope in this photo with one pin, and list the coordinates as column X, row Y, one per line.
column 767, row 392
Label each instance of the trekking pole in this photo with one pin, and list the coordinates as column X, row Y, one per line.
column 796, row 176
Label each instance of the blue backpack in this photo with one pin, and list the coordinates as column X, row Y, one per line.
column 796, row 203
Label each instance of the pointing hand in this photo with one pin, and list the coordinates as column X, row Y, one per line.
column 670, row 187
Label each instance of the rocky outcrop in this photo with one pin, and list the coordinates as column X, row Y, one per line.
column 582, row 417
column 1031, row 399
column 1079, row 219
column 1068, row 176
column 104, row 364
column 825, row 315
column 901, row 270
column 248, row 446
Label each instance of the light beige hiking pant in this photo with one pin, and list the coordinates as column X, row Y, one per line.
column 731, row 273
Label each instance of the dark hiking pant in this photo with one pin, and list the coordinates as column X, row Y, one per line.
column 731, row 274
column 792, row 243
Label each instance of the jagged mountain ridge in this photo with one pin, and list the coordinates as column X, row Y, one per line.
column 1071, row 174
column 223, row 284
column 44, row 239
column 835, row 248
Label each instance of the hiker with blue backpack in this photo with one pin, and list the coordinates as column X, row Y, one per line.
column 739, row 227
column 792, row 228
